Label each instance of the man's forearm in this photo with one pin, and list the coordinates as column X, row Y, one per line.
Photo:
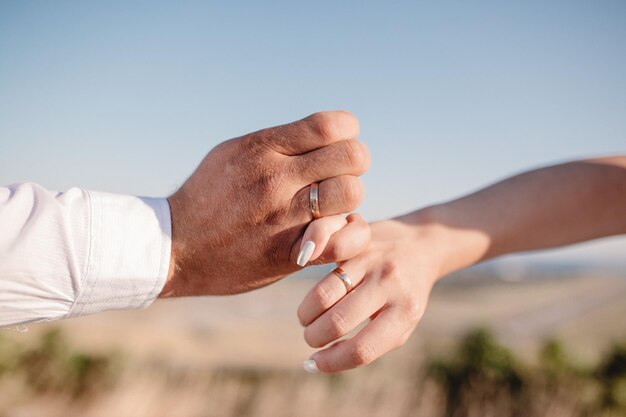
column 543, row 208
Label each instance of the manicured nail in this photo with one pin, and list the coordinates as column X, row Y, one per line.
column 310, row 366
column 306, row 251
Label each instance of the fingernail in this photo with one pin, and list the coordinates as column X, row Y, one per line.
column 310, row 366
column 306, row 251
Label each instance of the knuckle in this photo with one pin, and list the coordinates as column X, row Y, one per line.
column 353, row 192
column 323, row 123
column 337, row 324
column 349, row 122
column 362, row 353
column 311, row 338
column 326, row 297
column 268, row 181
column 390, row 272
column 255, row 145
column 357, row 155
column 350, row 119
column 411, row 310
column 334, row 252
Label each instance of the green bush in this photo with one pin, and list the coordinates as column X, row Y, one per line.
column 9, row 355
column 484, row 375
column 612, row 375
column 52, row 366
column 481, row 370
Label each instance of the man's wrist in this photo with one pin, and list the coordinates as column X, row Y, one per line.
column 169, row 288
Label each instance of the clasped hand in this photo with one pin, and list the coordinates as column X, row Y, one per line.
column 238, row 221
column 243, row 220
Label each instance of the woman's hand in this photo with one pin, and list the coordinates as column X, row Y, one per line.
column 391, row 279
column 394, row 275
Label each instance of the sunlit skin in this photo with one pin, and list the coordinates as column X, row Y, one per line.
column 543, row 208
column 237, row 222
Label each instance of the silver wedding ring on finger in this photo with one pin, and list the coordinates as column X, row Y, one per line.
column 344, row 278
column 314, row 200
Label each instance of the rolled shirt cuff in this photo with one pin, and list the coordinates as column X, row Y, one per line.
column 129, row 253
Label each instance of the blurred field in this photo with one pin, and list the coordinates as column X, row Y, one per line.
column 242, row 356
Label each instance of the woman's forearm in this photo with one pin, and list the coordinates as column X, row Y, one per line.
column 543, row 208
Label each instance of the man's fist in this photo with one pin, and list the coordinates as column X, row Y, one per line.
column 237, row 221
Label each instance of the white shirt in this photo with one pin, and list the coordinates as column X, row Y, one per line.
column 79, row 252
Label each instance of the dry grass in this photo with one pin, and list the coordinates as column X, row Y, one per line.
column 481, row 378
column 240, row 357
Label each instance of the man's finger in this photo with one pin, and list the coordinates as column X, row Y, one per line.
column 336, row 195
column 383, row 334
column 313, row 132
column 346, row 157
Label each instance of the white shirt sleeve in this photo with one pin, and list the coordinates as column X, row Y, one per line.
column 79, row 252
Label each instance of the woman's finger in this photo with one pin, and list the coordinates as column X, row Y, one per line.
column 347, row 243
column 329, row 291
column 385, row 333
column 346, row 315
column 317, row 235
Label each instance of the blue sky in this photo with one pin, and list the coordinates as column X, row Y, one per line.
column 129, row 96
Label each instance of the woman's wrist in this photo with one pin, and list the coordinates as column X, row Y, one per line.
column 451, row 241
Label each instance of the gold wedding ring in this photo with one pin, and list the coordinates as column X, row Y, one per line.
column 314, row 200
column 344, row 278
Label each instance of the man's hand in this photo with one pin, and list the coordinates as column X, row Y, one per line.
column 238, row 220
